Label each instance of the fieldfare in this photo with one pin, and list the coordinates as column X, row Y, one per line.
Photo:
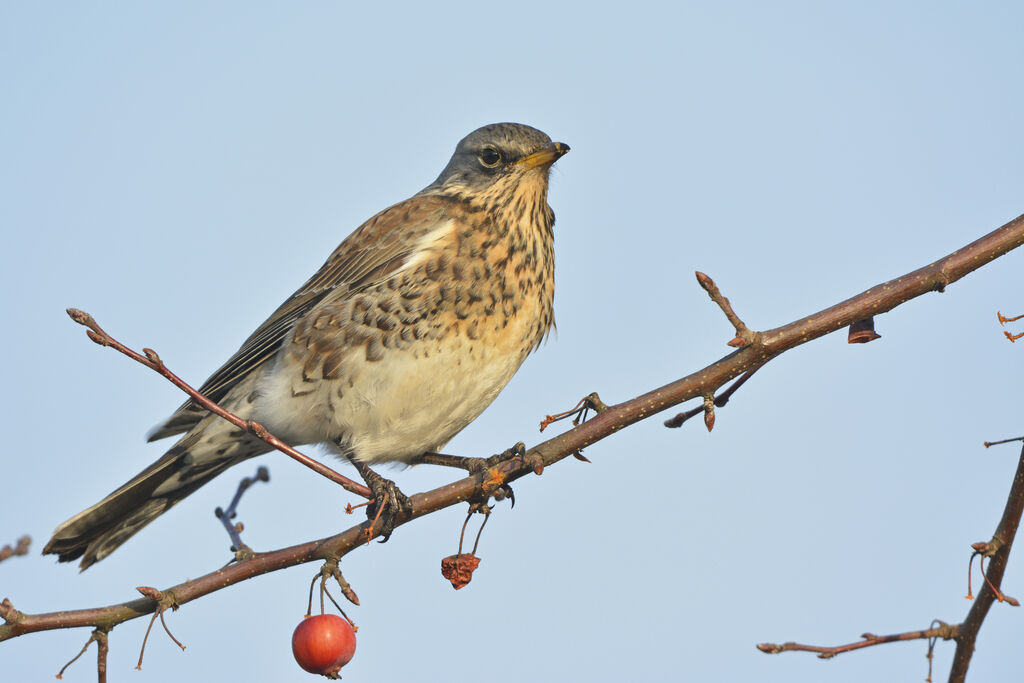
column 408, row 331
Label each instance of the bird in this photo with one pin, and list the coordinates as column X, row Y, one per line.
column 408, row 331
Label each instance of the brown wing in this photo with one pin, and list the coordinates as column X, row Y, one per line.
column 369, row 255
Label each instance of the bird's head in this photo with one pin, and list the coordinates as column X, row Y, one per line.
column 498, row 158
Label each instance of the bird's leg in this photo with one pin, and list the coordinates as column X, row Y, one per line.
column 478, row 465
column 389, row 504
column 471, row 465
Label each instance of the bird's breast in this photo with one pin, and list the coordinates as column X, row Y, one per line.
column 401, row 367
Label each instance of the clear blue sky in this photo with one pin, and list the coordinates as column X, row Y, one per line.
column 178, row 169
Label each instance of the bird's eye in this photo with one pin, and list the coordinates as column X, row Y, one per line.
column 490, row 157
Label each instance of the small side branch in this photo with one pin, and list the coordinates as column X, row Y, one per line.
column 99, row 635
column 241, row 550
column 612, row 419
column 965, row 634
column 744, row 336
column 720, row 401
column 998, row 551
column 152, row 361
column 578, row 412
column 943, row 631
column 20, row 547
column 1003, row 320
column 164, row 600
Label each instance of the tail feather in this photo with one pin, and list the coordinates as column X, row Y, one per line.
column 96, row 532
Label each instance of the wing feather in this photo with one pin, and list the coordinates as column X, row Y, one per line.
column 374, row 252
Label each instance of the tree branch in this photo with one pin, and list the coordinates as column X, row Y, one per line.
column 998, row 552
column 762, row 348
column 151, row 360
column 943, row 630
column 19, row 548
column 965, row 634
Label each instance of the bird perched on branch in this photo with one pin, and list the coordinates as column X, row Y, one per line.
column 403, row 337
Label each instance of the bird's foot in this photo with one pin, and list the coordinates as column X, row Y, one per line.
column 479, row 466
column 389, row 505
column 472, row 465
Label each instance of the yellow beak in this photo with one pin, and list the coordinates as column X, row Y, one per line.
column 545, row 156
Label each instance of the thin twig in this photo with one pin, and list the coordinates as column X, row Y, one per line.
column 92, row 637
column 773, row 342
column 163, row 600
column 966, row 633
column 1003, row 320
column 102, row 649
column 479, row 532
column 996, row 443
column 167, row 630
column 1000, row 546
column 241, row 550
column 943, row 631
column 20, row 548
column 720, row 401
column 744, row 335
column 152, row 361
column 578, row 412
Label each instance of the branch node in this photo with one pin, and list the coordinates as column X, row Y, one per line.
column 165, row 600
column 94, row 636
column 152, row 361
column 9, row 614
column 720, row 401
column 241, row 550
column 578, row 412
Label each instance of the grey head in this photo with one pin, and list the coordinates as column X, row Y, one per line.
column 494, row 152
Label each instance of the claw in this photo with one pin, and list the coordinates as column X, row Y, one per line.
column 389, row 505
column 506, row 492
column 395, row 507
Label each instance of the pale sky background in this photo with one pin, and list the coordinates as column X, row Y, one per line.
column 178, row 169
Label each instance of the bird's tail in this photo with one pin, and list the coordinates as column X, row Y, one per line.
column 96, row 532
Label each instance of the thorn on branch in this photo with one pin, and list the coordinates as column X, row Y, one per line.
column 744, row 336
column 862, row 332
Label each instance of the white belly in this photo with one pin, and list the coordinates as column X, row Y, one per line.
column 393, row 409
